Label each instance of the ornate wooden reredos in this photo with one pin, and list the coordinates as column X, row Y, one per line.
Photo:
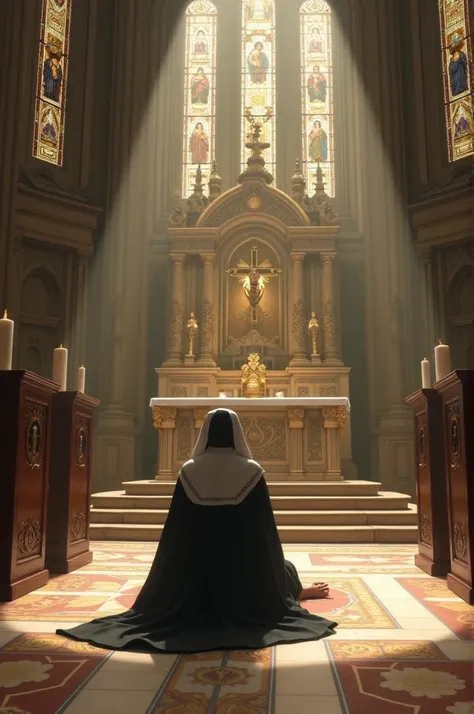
column 291, row 244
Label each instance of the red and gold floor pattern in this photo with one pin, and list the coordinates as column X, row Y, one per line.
column 434, row 594
column 40, row 672
column 383, row 677
column 81, row 597
column 240, row 682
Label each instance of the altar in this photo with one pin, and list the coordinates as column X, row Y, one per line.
column 295, row 439
column 254, row 311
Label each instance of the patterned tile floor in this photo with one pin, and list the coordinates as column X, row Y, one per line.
column 404, row 646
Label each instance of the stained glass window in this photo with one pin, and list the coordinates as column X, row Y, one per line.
column 199, row 93
column 51, row 83
column 317, row 92
column 456, row 44
column 258, row 74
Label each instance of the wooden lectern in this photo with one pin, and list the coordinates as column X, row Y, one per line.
column 25, row 418
column 457, row 391
column 67, row 545
column 433, row 533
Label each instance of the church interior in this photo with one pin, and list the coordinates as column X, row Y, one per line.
column 264, row 205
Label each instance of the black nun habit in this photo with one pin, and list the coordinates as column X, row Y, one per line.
column 219, row 580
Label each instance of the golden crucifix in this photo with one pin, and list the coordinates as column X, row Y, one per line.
column 254, row 278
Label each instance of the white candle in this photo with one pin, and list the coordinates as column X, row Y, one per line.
column 442, row 361
column 280, row 395
column 425, row 374
column 6, row 342
column 81, row 379
column 222, row 395
column 60, row 367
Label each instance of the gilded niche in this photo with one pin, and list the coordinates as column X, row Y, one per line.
column 35, row 418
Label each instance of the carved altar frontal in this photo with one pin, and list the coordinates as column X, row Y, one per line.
column 294, row 439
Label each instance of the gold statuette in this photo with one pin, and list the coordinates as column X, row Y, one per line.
column 313, row 329
column 254, row 377
column 192, row 328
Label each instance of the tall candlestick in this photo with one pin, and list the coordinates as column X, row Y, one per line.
column 6, row 342
column 81, row 379
column 60, row 367
column 425, row 374
column 442, row 361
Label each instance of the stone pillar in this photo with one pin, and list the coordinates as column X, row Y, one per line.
column 81, row 313
column 296, row 426
column 330, row 336
column 429, row 324
column 334, row 420
column 164, row 420
column 298, row 316
column 207, row 322
column 175, row 318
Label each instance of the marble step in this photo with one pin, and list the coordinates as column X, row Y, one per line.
column 383, row 501
column 276, row 488
column 142, row 516
column 306, row 535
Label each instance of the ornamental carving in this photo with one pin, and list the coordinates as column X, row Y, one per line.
column 299, row 323
column 207, row 323
column 29, row 539
column 421, row 445
column 179, row 392
column 162, row 416
column 336, row 414
column 315, row 434
column 82, row 442
column 185, row 438
column 175, row 325
column 303, row 391
column 35, row 420
column 329, row 324
column 78, row 526
column 454, row 425
column 426, row 529
column 328, row 391
column 200, row 415
column 460, row 542
column 266, row 437
column 295, row 414
column 203, row 391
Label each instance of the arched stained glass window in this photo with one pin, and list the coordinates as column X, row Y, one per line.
column 199, row 92
column 456, row 44
column 258, row 74
column 317, row 92
column 51, row 83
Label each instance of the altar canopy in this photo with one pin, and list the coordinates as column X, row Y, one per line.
column 254, row 282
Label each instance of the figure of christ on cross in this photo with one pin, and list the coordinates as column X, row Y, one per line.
column 254, row 278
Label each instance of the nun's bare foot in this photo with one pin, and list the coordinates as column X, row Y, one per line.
column 316, row 591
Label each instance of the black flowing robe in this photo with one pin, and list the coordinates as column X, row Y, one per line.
column 219, row 581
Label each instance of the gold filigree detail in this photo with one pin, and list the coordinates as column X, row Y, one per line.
column 175, row 325
column 254, row 377
column 207, row 323
column 454, row 435
column 299, row 323
column 162, row 416
column 82, row 437
column 35, row 418
column 336, row 414
column 295, row 414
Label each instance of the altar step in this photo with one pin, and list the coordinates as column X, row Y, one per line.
column 305, row 512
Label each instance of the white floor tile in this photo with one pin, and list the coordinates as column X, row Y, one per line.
column 111, row 702
column 289, row 704
column 298, row 678
column 127, row 680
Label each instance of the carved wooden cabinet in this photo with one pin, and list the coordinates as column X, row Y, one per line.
column 457, row 391
column 25, row 418
column 433, row 533
column 70, row 478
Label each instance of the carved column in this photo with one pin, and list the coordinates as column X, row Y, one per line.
column 207, row 324
column 175, row 325
column 298, row 316
column 429, row 336
column 330, row 351
column 81, row 311
column 296, row 426
column 335, row 419
column 164, row 420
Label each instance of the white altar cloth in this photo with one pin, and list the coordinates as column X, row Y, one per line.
column 236, row 402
